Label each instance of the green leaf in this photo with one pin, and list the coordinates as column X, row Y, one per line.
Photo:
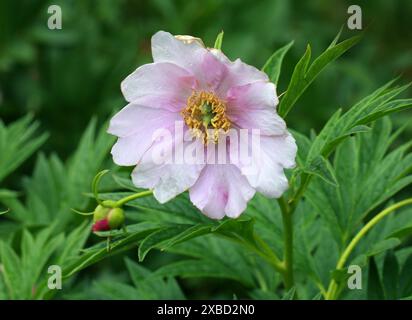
column 179, row 211
column 375, row 289
column 383, row 246
column 405, row 278
column 217, row 257
column 368, row 173
column 199, row 268
column 318, row 296
column 402, row 233
column 259, row 294
column 137, row 272
column 159, row 238
column 321, row 167
column 152, row 286
column 242, row 228
column 350, row 133
column 390, row 276
column 303, row 75
column 386, row 109
column 290, row 295
column 189, row 233
column 273, row 65
column 297, row 84
column 17, row 143
column 125, row 183
column 95, row 254
column 116, row 291
column 11, row 270
column 219, row 40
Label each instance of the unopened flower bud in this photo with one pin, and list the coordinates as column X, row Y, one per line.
column 116, row 218
column 100, row 213
column 106, row 219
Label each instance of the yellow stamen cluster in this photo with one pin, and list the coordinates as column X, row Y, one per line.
column 205, row 113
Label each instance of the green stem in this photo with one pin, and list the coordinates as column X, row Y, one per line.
column 269, row 255
column 132, row 197
column 288, row 243
column 4, row 212
column 333, row 287
column 293, row 203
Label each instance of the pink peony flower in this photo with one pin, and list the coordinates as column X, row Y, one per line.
column 210, row 95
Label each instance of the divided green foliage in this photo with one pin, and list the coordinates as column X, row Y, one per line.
column 25, row 272
column 324, row 224
column 179, row 227
column 145, row 286
column 55, row 186
column 313, row 155
column 18, row 141
column 368, row 174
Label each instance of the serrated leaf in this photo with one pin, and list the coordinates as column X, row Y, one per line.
column 368, row 173
column 159, row 238
column 95, row 254
column 355, row 130
column 321, row 167
column 189, row 233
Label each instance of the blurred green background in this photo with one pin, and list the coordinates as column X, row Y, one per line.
column 65, row 77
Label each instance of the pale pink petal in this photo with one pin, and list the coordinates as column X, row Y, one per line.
column 135, row 126
column 166, row 48
column 263, row 166
column 221, row 190
column 253, row 106
column 212, row 73
column 205, row 66
column 159, row 85
column 169, row 178
column 239, row 73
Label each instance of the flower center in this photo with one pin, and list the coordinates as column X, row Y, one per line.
column 205, row 115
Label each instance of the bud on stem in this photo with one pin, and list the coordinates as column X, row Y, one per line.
column 107, row 218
